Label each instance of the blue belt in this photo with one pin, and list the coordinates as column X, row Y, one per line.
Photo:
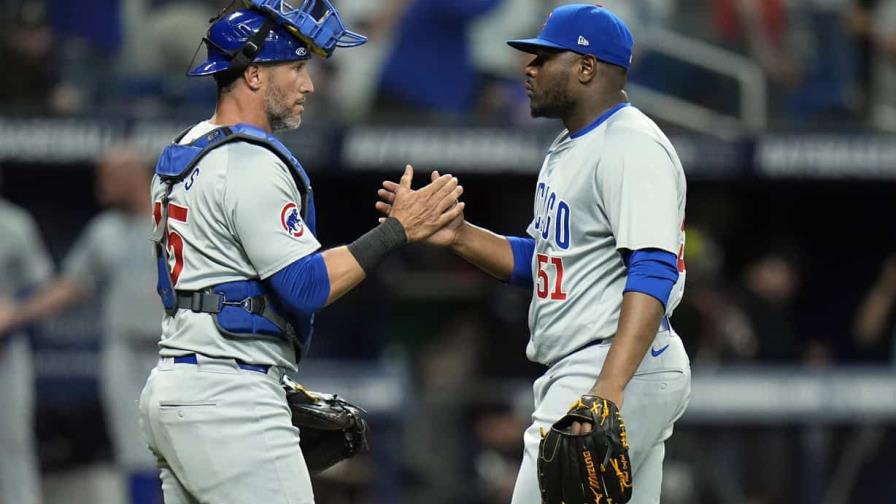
column 665, row 325
column 192, row 359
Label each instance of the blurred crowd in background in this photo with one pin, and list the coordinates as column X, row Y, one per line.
column 787, row 273
column 829, row 63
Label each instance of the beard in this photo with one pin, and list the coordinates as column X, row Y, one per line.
column 552, row 103
column 279, row 109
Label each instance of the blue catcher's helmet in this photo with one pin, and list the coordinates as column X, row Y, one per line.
column 274, row 31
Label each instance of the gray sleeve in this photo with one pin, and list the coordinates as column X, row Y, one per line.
column 33, row 265
column 263, row 207
column 83, row 262
column 637, row 186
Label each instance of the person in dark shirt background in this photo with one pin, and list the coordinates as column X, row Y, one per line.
column 430, row 67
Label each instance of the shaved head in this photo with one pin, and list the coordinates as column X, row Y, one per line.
column 122, row 176
column 126, row 155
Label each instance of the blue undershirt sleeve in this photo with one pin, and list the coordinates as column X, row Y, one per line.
column 523, row 248
column 303, row 286
column 652, row 272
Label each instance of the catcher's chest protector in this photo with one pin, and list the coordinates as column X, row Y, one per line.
column 241, row 308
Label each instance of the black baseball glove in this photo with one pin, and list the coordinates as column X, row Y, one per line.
column 586, row 468
column 330, row 428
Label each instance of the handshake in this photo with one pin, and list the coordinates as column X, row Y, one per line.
column 432, row 213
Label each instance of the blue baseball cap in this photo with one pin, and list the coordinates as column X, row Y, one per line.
column 584, row 29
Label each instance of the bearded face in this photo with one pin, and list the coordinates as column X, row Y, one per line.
column 547, row 84
column 284, row 98
column 280, row 108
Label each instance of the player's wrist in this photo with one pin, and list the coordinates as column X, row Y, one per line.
column 461, row 238
column 606, row 389
column 375, row 244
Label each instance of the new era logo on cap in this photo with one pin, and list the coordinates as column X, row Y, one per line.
column 583, row 41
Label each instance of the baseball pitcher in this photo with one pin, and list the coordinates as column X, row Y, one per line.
column 604, row 260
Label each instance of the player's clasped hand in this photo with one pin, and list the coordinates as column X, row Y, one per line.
column 426, row 210
column 444, row 236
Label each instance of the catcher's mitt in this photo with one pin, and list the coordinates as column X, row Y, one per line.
column 331, row 429
column 586, row 468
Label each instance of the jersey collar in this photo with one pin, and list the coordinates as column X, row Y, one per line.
column 600, row 120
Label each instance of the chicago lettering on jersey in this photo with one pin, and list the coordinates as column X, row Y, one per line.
column 552, row 216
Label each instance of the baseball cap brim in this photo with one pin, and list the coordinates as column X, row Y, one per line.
column 532, row 45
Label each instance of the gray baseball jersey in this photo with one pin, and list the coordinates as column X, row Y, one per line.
column 113, row 259
column 24, row 264
column 228, row 221
column 616, row 186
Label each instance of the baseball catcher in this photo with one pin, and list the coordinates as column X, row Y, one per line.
column 242, row 276
column 586, row 467
column 331, row 429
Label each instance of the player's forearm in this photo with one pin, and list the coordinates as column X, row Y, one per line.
column 343, row 270
column 486, row 250
column 347, row 266
column 50, row 300
column 638, row 323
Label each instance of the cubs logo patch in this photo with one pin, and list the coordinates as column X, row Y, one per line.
column 290, row 220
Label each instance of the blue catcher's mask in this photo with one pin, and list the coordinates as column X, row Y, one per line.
column 273, row 31
column 323, row 33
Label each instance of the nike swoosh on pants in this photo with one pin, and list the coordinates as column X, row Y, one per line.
column 656, row 353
